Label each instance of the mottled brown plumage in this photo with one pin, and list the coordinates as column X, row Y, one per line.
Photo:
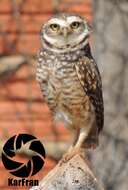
column 70, row 80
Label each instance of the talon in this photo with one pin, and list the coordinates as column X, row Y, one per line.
column 67, row 156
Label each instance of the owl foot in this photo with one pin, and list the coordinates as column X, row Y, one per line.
column 70, row 154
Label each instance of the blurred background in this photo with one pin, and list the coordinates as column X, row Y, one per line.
column 22, row 109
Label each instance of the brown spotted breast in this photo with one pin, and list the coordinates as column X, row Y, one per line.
column 62, row 89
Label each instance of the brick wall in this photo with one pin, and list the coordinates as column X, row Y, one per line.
column 20, row 22
column 21, row 106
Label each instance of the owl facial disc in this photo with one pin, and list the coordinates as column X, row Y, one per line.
column 65, row 33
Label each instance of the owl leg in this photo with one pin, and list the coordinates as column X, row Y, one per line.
column 68, row 155
column 82, row 136
column 76, row 148
column 76, row 135
column 79, row 143
column 88, row 136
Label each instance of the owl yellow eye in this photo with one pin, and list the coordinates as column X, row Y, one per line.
column 75, row 25
column 55, row 27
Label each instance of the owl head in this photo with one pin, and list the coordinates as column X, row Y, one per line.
column 65, row 33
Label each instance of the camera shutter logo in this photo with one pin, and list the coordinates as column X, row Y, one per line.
column 14, row 146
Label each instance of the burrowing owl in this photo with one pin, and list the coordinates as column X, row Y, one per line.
column 69, row 78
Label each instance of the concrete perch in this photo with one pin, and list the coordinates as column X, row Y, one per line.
column 73, row 175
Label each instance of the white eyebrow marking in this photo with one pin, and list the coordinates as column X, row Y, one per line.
column 73, row 18
column 61, row 22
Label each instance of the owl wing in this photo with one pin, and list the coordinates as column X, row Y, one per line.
column 89, row 77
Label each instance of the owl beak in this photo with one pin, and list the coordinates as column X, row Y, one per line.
column 65, row 32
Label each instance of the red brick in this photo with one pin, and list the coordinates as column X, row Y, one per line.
column 26, row 44
column 33, row 6
column 26, row 23
column 5, row 6
column 30, row 24
column 81, row 8
column 29, row 6
column 1, row 45
column 39, row 6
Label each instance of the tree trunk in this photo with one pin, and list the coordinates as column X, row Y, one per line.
column 111, row 53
